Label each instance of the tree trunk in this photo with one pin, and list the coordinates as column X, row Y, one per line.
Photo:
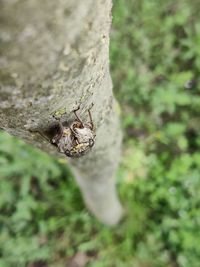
column 54, row 57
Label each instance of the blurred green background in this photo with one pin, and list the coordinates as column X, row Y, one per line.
column 155, row 65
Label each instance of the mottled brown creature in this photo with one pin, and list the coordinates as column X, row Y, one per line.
column 76, row 139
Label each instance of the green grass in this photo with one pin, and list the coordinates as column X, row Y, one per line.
column 154, row 56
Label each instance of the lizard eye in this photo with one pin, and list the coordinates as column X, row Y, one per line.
column 91, row 142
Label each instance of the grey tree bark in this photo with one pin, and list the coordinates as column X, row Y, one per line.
column 54, row 57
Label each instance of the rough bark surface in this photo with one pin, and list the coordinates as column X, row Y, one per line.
column 54, row 57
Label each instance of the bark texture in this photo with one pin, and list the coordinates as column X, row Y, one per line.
column 54, row 57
